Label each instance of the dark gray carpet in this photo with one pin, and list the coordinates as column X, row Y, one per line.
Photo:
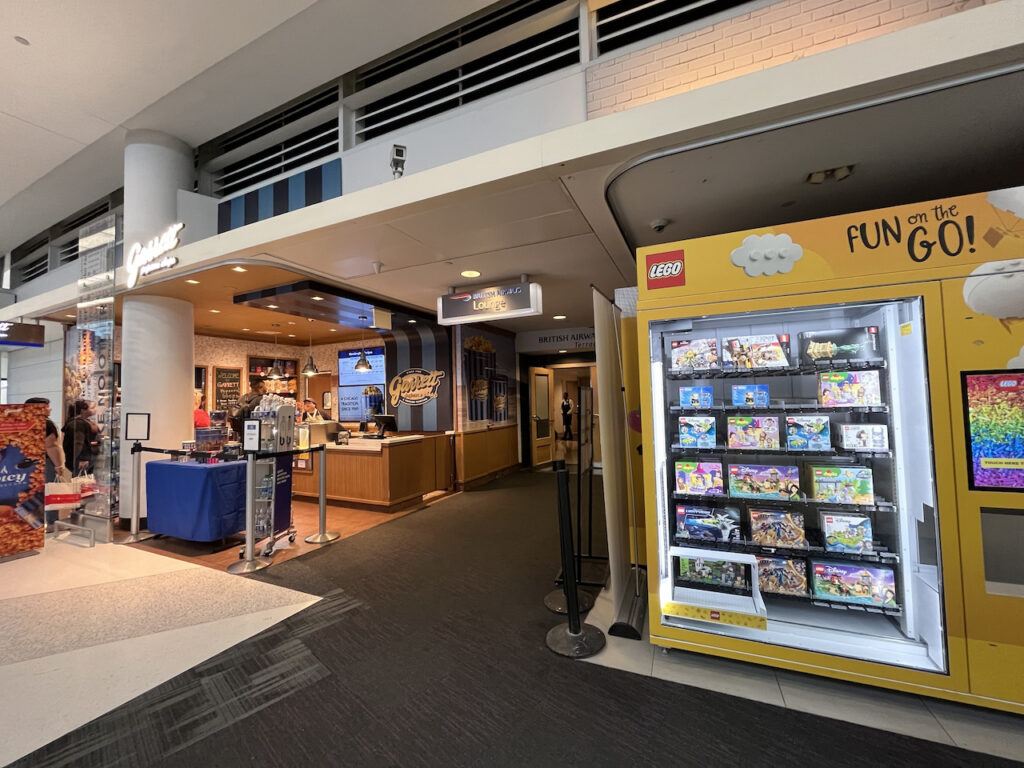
column 429, row 651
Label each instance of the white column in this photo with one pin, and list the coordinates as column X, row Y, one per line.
column 157, row 348
column 156, row 166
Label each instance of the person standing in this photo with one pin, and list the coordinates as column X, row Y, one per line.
column 200, row 418
column 310, row 412
column 81, row 437
column 55, row 468
column 567, row 406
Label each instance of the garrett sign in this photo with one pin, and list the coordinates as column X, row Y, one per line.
column 414, row 386
column 152, row 257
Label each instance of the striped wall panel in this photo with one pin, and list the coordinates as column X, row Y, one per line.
column 307, row 188
column 429, row 348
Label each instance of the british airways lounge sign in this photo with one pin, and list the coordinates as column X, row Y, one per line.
column 498, row 302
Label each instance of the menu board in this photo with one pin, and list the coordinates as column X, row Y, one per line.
column 994, row 412
column 227, row 387
column 360, row 393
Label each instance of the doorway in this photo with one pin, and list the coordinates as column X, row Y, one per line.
column 564, row 375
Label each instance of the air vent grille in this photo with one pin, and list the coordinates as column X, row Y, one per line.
column 513, row 45
column 626, row 22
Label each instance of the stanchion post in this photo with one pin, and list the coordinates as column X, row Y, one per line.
column 323, row 536
column 555, row 600
column 575, row 640
column 136, row 501
column 250, row 563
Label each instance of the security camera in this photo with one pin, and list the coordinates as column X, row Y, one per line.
column 398, row 155
column 659, row 224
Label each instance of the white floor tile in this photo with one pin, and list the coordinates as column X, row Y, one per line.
column 981, row 730
column 62, row 565
column 734, row 678
column 56, row 694
column 862, row 705
column 635, row 656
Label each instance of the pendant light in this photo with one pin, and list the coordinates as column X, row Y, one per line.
column 310, row 369
column 275, row 371
column 362, row 364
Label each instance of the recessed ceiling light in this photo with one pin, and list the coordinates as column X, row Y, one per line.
column 215, row 311
column 558, row 317
column 192, row 282
column 245, row 329
column 333, row 330
column 562, row 351
column 291, row 335
column 239, row 269
column 291, row 322
column 412, row 321
column 318, row 298
column 73, row 316
column 22, row 40
column 470, row 273
column 271, row 306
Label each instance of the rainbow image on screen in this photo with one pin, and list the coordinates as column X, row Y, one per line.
column 994, row 407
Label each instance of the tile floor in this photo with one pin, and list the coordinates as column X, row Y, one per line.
column 131, row 620
column 973, row 728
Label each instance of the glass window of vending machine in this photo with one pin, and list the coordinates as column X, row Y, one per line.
column 795, row 480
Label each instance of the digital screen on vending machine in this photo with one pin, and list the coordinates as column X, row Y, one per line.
column 994, row 420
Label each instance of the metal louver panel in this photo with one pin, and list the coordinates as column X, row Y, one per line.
column 625, row 22
column 515, row 44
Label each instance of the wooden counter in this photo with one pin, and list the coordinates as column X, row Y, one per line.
column 383, row 474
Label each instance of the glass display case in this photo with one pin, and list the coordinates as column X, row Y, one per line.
column 795, row 480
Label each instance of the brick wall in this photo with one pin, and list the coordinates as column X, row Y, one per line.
column 781, row 32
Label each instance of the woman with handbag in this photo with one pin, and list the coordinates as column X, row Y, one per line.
column 81, row 437
column 55, row 459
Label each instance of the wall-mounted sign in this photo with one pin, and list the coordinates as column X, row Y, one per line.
column 21, row 334
column 555, row 340
column 414, row 386
column 152, row 257
column 498, row 302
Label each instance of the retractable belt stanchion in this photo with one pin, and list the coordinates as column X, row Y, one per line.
column 575, row 640
column 251, row 563
column 323, row 536
column 555, row 599
column 135, row 534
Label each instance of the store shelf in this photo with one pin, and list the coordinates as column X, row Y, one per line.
column 780, row 407
column 821, row 602
column 879, row 505
column 749, row 547
column 691, row 374
column 834, row 453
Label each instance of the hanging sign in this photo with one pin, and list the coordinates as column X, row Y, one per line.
column 152, row 257
column 21, row 334
column 498, row 302
column 415, row 386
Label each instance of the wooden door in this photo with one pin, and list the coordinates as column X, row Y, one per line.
column 542, row 426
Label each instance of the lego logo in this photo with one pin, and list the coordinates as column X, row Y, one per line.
column 665, row 269
column 715, row 616
column 1008, row 383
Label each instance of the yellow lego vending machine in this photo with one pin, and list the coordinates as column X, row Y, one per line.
column 833, row 422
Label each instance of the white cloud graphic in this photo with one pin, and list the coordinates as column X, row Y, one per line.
column 1018, row 361
column 1011, row 200
column 766, row 255
column 996, row 288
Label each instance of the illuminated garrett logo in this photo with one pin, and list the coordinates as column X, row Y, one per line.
column 152, row 257
column 415, row 386
column 665, row 270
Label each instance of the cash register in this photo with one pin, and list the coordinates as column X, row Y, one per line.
column 385, row 422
